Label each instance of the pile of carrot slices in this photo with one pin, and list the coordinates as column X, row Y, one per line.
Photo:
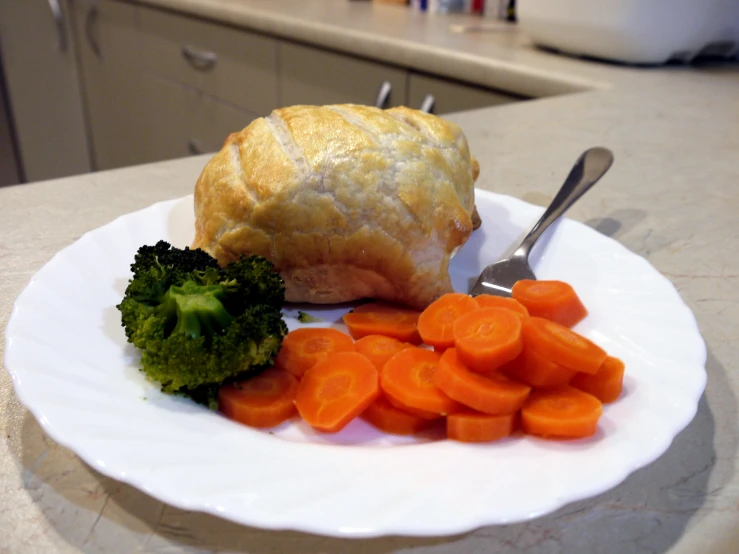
column 483, row 367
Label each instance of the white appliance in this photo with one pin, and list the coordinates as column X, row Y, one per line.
column 634, row 31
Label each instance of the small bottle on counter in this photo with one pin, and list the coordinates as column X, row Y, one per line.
column 501, row 9
column 441, row 6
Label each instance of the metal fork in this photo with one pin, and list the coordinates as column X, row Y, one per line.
column 499, row 278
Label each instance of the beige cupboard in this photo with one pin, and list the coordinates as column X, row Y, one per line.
column 156, row 84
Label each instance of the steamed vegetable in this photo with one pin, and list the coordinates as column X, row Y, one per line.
column 198, row 325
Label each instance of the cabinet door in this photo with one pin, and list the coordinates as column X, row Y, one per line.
column 232, row 64
column 314, row 76
column 453, row 96
column 184, row 121
column 113, row 82
column 43, row 88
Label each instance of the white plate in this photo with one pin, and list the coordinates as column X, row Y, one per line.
column 71, row 366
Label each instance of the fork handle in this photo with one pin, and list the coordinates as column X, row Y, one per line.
column 588, row 169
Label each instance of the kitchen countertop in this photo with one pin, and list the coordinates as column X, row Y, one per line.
column 671, row 197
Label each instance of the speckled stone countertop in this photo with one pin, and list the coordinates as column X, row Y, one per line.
column 672, row 197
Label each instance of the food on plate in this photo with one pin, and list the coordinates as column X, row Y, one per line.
column 537, row 370
column 435, row 322
column 347, row 201
column 562, row 345
column 386, row 417
column 305, row 317
column 488, row 338
column 606, row 383
column 491, row 301
column 469, row 426
column 564, row 412
column 262, row 401
column 376, row 318
column 408, row 378
column 197, row 324
column 336, row 390
column 380, row 348
column 303, row 348
column 493, row 394
column 420, row 388
column 553, row 300
column 423, row 414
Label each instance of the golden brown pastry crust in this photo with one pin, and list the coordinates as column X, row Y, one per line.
column 347, row 201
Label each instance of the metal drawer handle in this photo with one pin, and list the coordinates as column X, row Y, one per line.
column 90, row 21
column 193, row 146
column 61, row 31
column 199, row 59
column 383, row 95
column 428, row 103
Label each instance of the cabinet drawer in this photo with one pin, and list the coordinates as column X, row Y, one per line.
column 185, row 121
column 451, row 96
column 107, row 33
column 314, row 76
column 234, row 65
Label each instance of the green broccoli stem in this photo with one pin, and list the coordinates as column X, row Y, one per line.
column 198, row 309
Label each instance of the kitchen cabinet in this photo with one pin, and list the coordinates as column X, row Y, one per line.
column 187, row 121
column 118, row 108
column 451, row 96
column 236, row 66
column 117, row 83
column 310, row 75
column 41, row 74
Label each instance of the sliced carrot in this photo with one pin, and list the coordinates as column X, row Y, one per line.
column 304, row 347
column 538, row 371
column 408, row 378
column 380, row 348
column 390, row 419
column 492, row 301
column 336, row 390
column 494, row 395
column 435, row 322
column 423, row 414
column 606, row 384
column 487, row 338
column 376, row 318
column 565, row 412
column 562, row 345
column 552, row 300
column 477, row 427
column 266, row 400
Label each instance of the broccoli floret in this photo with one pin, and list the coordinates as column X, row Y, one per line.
column 198, row 325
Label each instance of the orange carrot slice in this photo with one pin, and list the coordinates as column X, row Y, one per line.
column 492, row 301
column 494, row 395
column 487, row 338
column 423, row 414
column 606, row 384
column 537, row 371
column 408, row 378
column 562, row 345
column 435, row 322
column 336, row 390
column 477, row 427
column 377, row 318
column 390, row 419
column 380, row 348
column 265, row 400
column 565, row 412
column 552, row 300
column 304, row 347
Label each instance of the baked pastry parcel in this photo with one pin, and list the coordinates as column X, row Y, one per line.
column 347, row 201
